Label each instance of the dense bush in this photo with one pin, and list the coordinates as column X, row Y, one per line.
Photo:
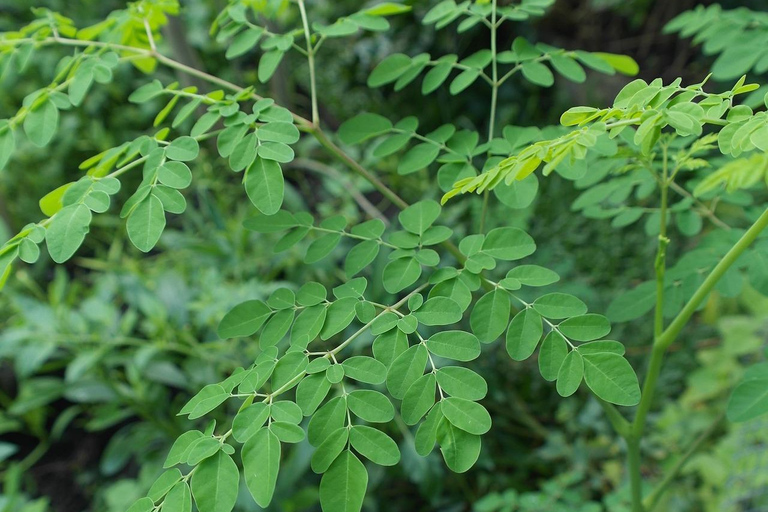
column 371, row 276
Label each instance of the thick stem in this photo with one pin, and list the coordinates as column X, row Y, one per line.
column 635, row 478
column 667, row 337
column 311, row 61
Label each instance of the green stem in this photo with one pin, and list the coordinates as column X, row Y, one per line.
column 311, row 61
column 494, row 74
column 635, row 478
column 667, row 337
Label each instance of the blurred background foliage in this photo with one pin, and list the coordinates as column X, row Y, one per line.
column 98, row 355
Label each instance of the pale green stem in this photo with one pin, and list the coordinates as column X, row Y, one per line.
column 311, row 62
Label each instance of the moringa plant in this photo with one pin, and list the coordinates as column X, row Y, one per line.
column 446, row 295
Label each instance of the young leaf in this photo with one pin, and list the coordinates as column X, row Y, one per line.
column 551, row 355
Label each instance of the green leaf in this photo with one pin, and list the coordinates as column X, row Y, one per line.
column 585, row 327
column 340, row 315
column 177, row 453
column 243, row 42
column 387, row 9
column 460, row 449
column 163, row 484
column 537, row 73
column 418, row 158
column 329, row 450
column 362, row 127
column 311, row 392
column 311, row 294
column 568, row 67
column 624, row 64
column 326, row 420
column 490, row 315
column 264, row 185
column 67, row 231
column 750, row 397
column 308, row 325
column 287, row 432
column 370, row 406
column 464, row 80
column 342, row 488
column 41, row 123
column 268, row 64
column 244, row 319
column 418, row 217
column 462, row 382
column 426, row 435
column 401, row 273
column 439, row 311
column 595, row 347
column 437, row 75
column 551, row 355
column 215, row 484
column 419, row 399
column 611, row 378
column 322, row 247
column 365, row 369
column 146, row 92
column 524, row 334
column 508, row 244
column 146, row 223
column 210, row 397
column 261, row 465
column 389, row 69
column 570, row 374
column 7, row 144
column 559, row 305
column 406, row 369
column 144, row 504
column 374, row 445
column 248, row 421
column 179, row 499
column 290, row 366
column 174, row 174
column 467, row 415
column 389, row 345
column 456, row 345
column 360, row 256
column 533, row 275
column 183, row 149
